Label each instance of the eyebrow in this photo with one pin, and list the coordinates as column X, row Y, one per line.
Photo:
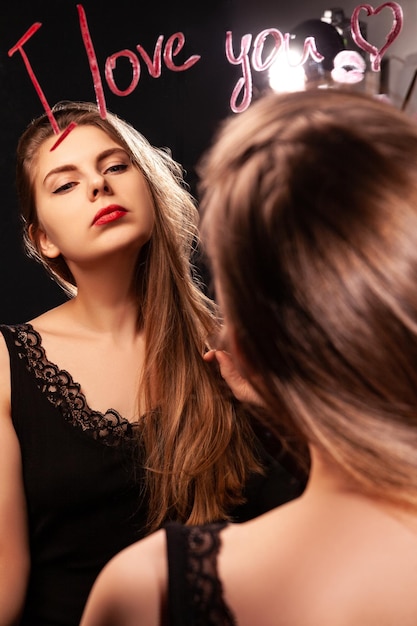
column 69, row 167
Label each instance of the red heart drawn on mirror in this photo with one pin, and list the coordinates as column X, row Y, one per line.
column 397, row 24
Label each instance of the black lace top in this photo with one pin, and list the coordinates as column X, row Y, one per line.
column 63, row 392
column 195, row 596
column 82, row 485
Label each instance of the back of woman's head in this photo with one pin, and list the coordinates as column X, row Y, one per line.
column 310, row 220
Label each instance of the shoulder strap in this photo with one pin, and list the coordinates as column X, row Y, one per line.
column 195, row 591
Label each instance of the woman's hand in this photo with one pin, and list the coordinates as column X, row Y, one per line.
column 240, row 387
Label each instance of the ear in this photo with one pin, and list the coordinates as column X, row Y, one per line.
column 42, row 243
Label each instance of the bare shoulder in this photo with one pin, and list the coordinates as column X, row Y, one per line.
column 131, row 587
column 365, row 554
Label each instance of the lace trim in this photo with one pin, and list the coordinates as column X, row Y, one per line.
column 64, row 393
column 203, row 544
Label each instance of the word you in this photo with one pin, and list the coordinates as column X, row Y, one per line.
column 249, row 58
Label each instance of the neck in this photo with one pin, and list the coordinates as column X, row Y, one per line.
column 330, row 486
column 105, row 299
column 325, row 475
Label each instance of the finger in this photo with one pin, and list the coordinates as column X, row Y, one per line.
column 209, row 356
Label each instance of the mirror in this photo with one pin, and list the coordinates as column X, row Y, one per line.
column 175, row 70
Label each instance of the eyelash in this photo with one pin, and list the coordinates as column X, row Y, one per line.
column 118, row 167
column 112, row 169
column 63, row 188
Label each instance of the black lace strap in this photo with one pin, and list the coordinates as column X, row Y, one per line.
column 195, row 590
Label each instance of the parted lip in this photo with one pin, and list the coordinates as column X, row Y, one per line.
column 112, row 208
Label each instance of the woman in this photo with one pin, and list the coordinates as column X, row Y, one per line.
column 310, row 222
column 111, row 421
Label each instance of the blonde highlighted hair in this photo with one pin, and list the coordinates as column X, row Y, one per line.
column 198, row 449
column 309, row 204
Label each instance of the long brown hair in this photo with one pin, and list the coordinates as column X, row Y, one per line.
column 310, row 220
column 198, row 449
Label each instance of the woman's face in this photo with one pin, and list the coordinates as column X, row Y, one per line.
column 90, row 200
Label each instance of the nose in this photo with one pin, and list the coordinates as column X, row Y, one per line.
column 99, row 186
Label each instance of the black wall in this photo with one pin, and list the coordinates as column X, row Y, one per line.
column 179, row 109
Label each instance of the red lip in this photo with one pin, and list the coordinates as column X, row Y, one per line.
column 108, row 214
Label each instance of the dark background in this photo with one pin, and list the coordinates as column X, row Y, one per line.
column 179, row 110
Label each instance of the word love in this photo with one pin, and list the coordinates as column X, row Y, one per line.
column 249, row 58
column 173, row 46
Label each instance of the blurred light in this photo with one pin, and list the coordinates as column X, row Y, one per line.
column 284, row 75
